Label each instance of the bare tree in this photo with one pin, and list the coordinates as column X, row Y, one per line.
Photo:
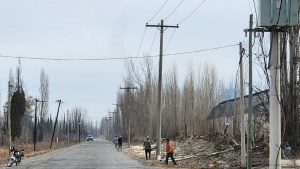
column 208, row 95
column 188, row 103
column 44, row 94
column 171, row 107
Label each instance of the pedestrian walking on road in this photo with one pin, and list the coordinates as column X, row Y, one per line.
column 147, row 147
column 115, row 141
column 170, row 151
column 120, row 143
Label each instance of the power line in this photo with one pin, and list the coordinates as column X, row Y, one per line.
column 141, row 42
column 174, row 10
column 153, row 41
column 192, row 12
column 170, row 40
column 202, row 50
column 158, row 11
column 116, row 58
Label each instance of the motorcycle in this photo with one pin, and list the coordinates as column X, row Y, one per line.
column 15, row 157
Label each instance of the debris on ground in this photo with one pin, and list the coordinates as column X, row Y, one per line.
column 196, row 152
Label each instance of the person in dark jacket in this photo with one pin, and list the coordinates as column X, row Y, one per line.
column 147, row 147
column 120, row 143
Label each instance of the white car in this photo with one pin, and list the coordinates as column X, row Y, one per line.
column 89, row 138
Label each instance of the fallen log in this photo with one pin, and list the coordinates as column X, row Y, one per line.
column 205, row 155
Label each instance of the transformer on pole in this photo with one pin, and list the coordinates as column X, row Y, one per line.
column 278, row 13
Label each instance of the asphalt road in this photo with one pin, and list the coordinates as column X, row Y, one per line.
column 87, row 155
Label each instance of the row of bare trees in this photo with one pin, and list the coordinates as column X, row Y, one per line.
column 22, row 107
column 290, row 88
column 184, row 109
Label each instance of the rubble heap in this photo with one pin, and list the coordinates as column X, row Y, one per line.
column 201, row 152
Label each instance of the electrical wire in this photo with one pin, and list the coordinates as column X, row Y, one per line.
column 174, row 10
column 192, row 12
column 141, row 42
column 170, row 40
column 279, row 13
column 158, row 11
column 116, row 58
column 202, row 50
column 153, row 41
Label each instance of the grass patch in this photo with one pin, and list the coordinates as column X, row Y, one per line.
column 40, row 148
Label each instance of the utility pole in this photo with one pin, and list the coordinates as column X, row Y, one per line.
column 114, row 120
column 162, row 27
column 275, row 113
column 35, row 122
column 281, row 15
column 127, row 89
column 79, row 127
column 274, row 93
column 9, row 116
column 68, row 127
column 249, row 136
column 59, row 102
column 242, row 114
column 118, row 118
column 109, row 125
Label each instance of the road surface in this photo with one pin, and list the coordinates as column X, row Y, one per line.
column 87, row 155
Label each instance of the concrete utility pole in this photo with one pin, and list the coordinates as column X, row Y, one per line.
column 275, row 106
column 249, row 136
column 114, row 120
column 128, row 88
column 275, row 114
column 118, row 118
column 242, row 114
column 109, row 126
column 35, row 122
column 9, row 116
column 59, row 102
column 162, row 27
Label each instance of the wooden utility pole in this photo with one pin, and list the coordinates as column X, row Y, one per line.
column 249, row 135
column 242, row 113
column 128, row 88
column 114, row 121
column 118, row 118
column 162, row 27
column 35, row 123
column 109, row 126
column 79, row 124
column 9, row 116
column 59, row 102
column 68, row 127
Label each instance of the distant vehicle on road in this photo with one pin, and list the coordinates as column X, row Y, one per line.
column 89, row 138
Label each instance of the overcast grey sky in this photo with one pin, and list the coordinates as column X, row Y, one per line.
column 110, row 29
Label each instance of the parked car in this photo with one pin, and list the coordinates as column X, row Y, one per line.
column 89, row 138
